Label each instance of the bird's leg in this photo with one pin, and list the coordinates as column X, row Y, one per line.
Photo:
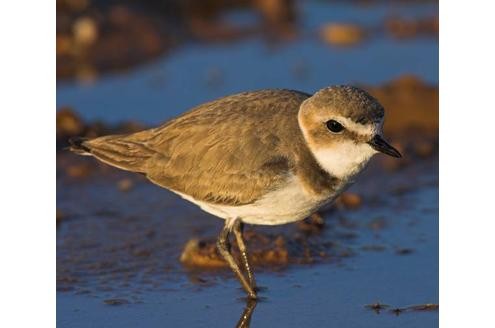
column 238, row 228
column 223, row 245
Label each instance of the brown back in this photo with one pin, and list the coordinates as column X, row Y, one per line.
column 229, row 151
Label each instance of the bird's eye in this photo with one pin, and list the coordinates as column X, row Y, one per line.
column 334, row 126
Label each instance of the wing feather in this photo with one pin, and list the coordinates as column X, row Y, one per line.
column 231, row 151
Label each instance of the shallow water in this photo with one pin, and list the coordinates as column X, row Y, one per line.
column 392, row 238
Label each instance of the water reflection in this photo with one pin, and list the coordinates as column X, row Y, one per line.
column 245, row 319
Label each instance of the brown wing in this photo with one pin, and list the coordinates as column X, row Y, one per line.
column 230, row 151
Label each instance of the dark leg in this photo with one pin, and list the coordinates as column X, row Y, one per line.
column 224, row 246
column 238, row 227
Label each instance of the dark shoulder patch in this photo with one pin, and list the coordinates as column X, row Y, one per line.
column 276, row 164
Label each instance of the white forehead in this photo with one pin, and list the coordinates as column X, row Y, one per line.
column 369, row 129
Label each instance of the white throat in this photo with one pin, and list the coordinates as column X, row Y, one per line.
column 345, row 159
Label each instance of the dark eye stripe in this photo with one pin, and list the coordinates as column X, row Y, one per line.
column 334, row 126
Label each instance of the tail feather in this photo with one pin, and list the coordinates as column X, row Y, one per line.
column 77, row 146
column 117, row 150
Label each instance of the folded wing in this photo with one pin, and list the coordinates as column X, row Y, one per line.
column 230, row 151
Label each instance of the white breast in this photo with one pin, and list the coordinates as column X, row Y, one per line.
column 287, row 204
column 292, row 202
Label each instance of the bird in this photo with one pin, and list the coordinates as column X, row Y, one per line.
column 266, row 157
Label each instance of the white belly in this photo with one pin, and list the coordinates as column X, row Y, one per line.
column 288, row 204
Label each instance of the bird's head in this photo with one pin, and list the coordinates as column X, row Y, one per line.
column 343, row 128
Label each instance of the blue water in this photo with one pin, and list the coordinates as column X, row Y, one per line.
column 331, row 294
column 195, row 73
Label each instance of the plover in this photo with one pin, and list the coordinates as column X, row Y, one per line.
column 266, row 157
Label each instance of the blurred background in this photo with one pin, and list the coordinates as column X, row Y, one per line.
column 150, row 60
column 371, row 260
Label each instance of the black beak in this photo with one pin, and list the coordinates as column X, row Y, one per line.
column 382, row 146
